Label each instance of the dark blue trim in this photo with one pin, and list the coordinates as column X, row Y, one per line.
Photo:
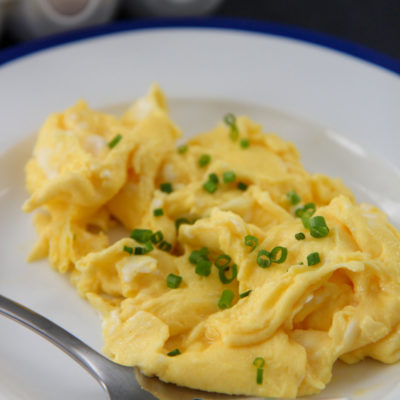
column 291, row 32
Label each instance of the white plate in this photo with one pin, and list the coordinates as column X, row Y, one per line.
column 301, row 90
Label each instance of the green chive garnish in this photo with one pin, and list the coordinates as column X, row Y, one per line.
column 181, row 221
column 260, row 376
column 210, row 187
column 203, row 268
column 230, row 120
column 293, row 197
column 313, row 259
column 244, row 294
column 259, row 362
column 114, row 141
column 241, row 186
column 165, row 246
column 263, row 258
column 244, row 143
column 204, row 160
column 309, row 209
column 251, row 241
column 226, row 299
column 143, row 250
column 305, row 213
column 158, row 212
column 148, row 247
column 318, row 228
column 128, row 249
column 174, row 353
column 197, row 255
column 213, row 178
column 166, row 187
column 157, row 237
column 222, row 261
column 183, row 148
column 173, row 281
column 228, row 176
column 223, row 278
column 141, row 235
column 276, row 251
column 300, row 236
column 139, row 250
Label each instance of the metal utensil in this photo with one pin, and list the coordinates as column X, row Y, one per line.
column 118, row 381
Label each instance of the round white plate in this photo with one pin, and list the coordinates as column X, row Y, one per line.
column 341, row 111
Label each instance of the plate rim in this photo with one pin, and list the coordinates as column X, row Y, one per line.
column 309, row 36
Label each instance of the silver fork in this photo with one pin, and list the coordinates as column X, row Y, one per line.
column 119, row 382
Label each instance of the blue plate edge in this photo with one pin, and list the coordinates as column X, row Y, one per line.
column 343, row 46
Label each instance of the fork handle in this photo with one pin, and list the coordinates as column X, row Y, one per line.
column 111, row 376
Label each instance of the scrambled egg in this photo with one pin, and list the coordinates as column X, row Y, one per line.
column 256, row 276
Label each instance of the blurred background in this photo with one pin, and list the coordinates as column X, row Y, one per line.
column 371, row 23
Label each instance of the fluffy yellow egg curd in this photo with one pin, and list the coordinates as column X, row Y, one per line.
column 239, row 272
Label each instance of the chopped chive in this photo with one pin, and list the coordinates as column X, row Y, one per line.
column 166, row 187
column 157, row 237
column 263, row 258
column 293, row 197
column 300, row 236
column 309, row 209
column 230, row 120
column 165, row 246
column 244, row 294
column 140, row 250
column 197, row 255
column 318, row 228
column 228, row 176
column 128, row 249
column 148, row 247
column 222, row 261
column 203, row 267
column 210, row 187
column 260, row 376
column 313, row 259
column 158, row 212
column 143, row 250
column 141, row 235
column 174, row 353
column 244, row 143
column 213, row 178
column 226, row 299
column 259, row 362
column 114, row 141
column 181, row 221
column 305, row 213
column 183, row 148
column 204, row 160
column 222, row 276
column 173, row 281
column 74, row 236
column 251, row 241
column 305, row 219
column 278, row 250
column 241, row 186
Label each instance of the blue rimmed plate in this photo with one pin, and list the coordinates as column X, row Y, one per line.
column 338, row 102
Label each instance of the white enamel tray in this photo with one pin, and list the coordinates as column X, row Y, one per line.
column 340, row 104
